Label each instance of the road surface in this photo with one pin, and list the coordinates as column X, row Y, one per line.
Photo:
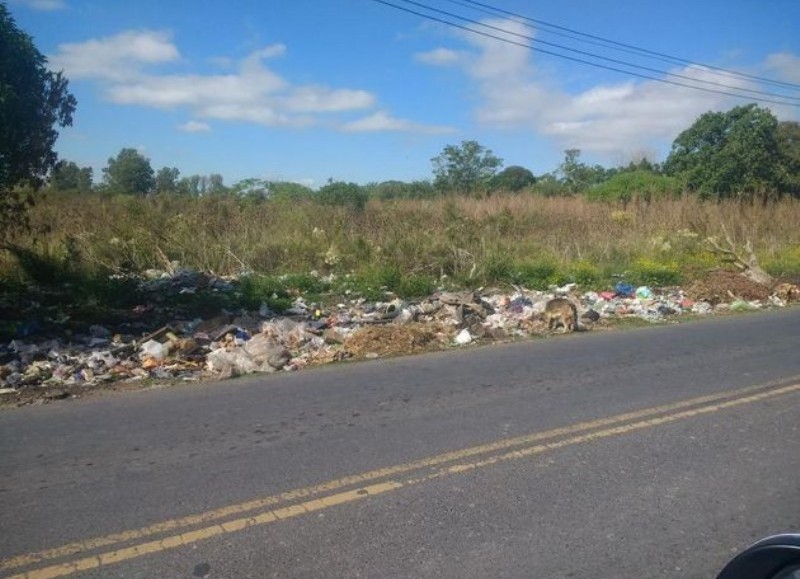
column 655, row 452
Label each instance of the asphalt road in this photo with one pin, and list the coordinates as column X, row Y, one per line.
column 655, row 452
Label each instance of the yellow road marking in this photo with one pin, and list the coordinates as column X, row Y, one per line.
column 647, row 418
column 260, row 504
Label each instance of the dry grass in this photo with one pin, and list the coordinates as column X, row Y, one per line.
column 503, row 238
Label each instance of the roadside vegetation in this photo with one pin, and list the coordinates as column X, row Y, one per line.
column 410, row 247
column 68, row 240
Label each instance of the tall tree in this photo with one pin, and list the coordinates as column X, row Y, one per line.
column 513, row 178
column 288, row 191
column 33, row 100
column 728, row 154
column 216, row 185
column 130, row 173
column 343, row 194
column 167, row 180
column 577, row 176
column 465, row 168
column 789, row 149
column 68, row 176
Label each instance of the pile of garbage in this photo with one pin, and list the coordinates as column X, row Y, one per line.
column 244, row 342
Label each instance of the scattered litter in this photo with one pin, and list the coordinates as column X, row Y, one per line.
column 230, row 344
column 463, row 337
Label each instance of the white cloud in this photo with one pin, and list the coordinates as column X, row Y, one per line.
column 43, row 5
column 273, row 51
column 248, row 92
column 613, row 119
column 194, row 127
column 785, row 65
column 383, row 121
column 438, row 57
column 115, row 58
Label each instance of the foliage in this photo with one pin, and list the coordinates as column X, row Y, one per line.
column 513, row 178
column 289, row 192
column 548, row 185
column 728, row 154
column 539, row 274
column 466, row 168
column 576, row 176
column 202, row 185
column 626, row 185
column 655, row 273
column 388, row 190
column 32, row 101
column 276, row 290
column 789, row 150
column 67, row 176
column 522, row 239
column 253, row 189
column 339, row 193
column 784, row 263
column 586, row 274
column 374, row 281
column 129, row 173
column 167, row 180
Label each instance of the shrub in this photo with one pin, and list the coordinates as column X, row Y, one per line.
column 373, row 282
column 629, row 184
column 258, row 289
column 786, row 263
column 412, row 286
column 339, row 193
column 538, row 274
column 585, row 274
column 653, row 273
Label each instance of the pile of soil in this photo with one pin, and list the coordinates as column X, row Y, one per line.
column 397, row 339
column 720, row 285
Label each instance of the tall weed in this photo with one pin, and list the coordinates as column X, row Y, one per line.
column 407, row 245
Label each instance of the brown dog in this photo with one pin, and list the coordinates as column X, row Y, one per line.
column 561, row 312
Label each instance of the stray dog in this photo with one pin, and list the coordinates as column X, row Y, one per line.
column 561, row 311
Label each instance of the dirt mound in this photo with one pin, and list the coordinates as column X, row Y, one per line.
column 724, row 286
column 396, row 339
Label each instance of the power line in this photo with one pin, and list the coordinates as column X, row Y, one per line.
column 607, row 59
column 585, row 53
column 629, row 48
column 583, row 61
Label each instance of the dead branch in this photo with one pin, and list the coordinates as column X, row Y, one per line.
column 747, row 263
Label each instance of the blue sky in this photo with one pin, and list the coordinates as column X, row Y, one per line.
column 307, row 90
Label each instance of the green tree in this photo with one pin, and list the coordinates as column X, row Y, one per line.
column 640, row 183
column 728, row 154
column 251, row 188
column 129, row 173
column 388, row 190
column 513, row 178
column 577, row 176
column 789, row 150
column 342, row 194
column 33, row 100
column 289, row 192
column 167, row 180
column 189, row 186
column 216, row 185
column 548, row 185
column 68, row 176
column 465, row 168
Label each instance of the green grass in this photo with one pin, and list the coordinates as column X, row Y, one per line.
column 404, row 247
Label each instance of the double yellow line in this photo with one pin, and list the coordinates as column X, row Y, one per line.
column 180, row 532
